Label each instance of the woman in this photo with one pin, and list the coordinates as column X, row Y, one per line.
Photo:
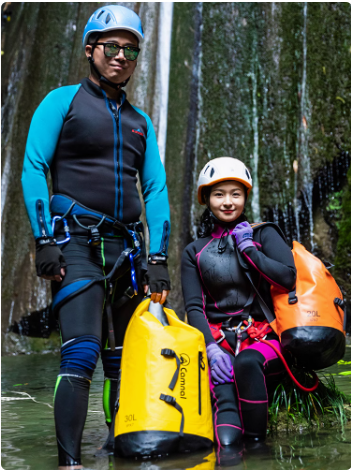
column 219, row 296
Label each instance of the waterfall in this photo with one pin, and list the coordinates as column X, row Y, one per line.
column 164, row 57
column 5, row 183
column 297, row 205
column 197, row 72
column 255, row 203
column 307, row 182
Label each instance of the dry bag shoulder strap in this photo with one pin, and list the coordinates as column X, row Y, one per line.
column 265, row 309
column 245, row 266
column 277, row 228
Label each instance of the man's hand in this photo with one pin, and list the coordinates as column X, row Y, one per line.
column 49, row 260
column 156, row 297
column 56, row 277
column 158, row 279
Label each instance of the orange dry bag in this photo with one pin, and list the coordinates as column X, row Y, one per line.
column 311, row 320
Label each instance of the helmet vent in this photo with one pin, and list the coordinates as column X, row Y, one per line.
column 206, row 170
column 247, row 173
column 99, row 15
column 212, row 172
column 108, row 18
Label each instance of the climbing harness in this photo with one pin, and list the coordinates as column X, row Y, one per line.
column 254, row 331
column 128, row 259
column 239, row 331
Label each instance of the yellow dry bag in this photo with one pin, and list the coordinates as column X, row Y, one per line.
column 164, row 397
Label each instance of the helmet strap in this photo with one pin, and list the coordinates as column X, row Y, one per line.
column 102, row 78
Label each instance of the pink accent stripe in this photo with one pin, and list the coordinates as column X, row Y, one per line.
column 257, row 244
column 216, row 407
column 264, row 275
column 240, row 412
column 198, row 266
column 253, row 402
column 203, row 309
column 266, row 350
column 217, row 232
column 229, row 425
column 198, row 254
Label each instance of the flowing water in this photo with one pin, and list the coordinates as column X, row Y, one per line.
column 28, row 436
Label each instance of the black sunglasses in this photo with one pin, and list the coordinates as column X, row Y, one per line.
column 112, row 49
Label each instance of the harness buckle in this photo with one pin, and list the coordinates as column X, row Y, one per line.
column 129, row 292
column 222, row 338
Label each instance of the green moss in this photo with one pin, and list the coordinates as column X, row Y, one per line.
column 16, row 345
column 178, row 111
column 343, row 256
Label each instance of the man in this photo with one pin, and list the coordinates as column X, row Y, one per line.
column 94, row 142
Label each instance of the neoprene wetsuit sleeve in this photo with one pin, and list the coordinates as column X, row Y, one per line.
column 155, row 194
column 44, row 133
column 274, row 261
column 194, row 298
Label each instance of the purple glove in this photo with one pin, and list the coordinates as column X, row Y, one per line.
column 243, row 235
column 220, row 364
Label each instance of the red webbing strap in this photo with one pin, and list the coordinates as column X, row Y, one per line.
column 257, row 331
column 217, row 335
column 307, row 390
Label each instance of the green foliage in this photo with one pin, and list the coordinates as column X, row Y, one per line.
column 326, row 404
column 343, row 255
column 334, row 207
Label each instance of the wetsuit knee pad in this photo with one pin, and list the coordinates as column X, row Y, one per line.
column 79, row 356
column 111, row 362
column 247, row 361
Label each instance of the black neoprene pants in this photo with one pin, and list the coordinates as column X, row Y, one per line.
column 81, row 319
column 241, row 408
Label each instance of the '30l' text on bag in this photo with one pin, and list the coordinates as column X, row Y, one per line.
column 164, row 402
column 311, row 320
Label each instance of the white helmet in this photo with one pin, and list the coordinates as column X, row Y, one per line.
column 222, row 169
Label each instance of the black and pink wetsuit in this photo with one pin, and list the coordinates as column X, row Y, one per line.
column 216, row 289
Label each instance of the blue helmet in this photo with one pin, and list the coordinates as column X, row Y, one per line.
column 113, row 17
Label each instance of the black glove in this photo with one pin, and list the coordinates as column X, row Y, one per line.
column 49, row 259
column 157, row 276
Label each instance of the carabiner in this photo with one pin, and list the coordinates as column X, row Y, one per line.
column 65, row 228
column 132, row 274
column 135, row 239
column 240, row 329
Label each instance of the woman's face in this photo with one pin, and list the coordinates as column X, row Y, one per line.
column 227, row 200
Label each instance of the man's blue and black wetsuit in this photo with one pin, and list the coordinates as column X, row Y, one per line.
column 94, row 149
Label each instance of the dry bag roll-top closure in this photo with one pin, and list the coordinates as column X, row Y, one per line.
column 164, row 403
column 311, row 320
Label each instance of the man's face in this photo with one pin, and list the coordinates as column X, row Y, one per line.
column 116, row 69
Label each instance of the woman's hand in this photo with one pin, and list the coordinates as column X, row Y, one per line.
column 220, row 365
column 243, row 235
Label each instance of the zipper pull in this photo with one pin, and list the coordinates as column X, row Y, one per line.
column 41, row 221
column 113, row 109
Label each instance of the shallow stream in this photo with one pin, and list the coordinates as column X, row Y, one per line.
column 28, row 435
